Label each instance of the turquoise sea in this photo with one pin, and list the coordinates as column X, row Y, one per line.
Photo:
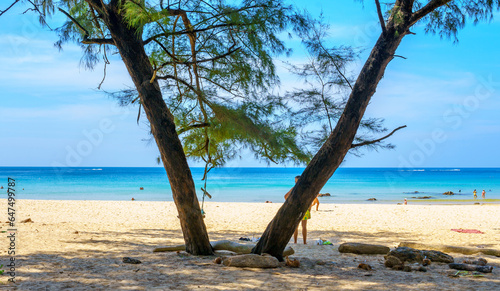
column 347, row 185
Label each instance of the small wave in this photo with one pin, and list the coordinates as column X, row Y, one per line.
column 96, row 169
column 446, row 170
column 413, row 170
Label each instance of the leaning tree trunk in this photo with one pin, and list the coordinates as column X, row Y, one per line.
column 332, row 153
column 131, row 49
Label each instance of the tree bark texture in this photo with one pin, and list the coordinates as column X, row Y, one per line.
column 332, row 153
column 131, row 47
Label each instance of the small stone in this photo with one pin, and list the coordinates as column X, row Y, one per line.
column 218, row 260
column 294, row 263
column 365, row 267
column 391, row 261
column 128, row 260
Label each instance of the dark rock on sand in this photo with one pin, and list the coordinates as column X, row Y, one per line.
column 407, row 254
column 392, row 261
column 358, row 248
column 323, row 195
column 448, row 193
column 371, row 199
column 128, row 260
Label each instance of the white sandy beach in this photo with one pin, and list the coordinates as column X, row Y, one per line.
column 79, row 245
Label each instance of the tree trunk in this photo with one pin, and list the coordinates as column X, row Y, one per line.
column 332, row 153
column 131, row 48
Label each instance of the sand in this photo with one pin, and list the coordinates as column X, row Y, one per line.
column 79, row 245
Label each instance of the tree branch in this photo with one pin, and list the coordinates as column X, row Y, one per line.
column 86, row 39
column 381, row 17
column 377, row 140
column 204, row 60
column 3, row 11
column 98, row 41
column 200, row 125
column 431, row 6
column 178, row 80
column 97, row 4
column 85, row 31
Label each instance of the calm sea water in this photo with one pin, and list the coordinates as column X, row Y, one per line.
column 347, row 185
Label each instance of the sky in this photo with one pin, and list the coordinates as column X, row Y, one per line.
column 52, row 113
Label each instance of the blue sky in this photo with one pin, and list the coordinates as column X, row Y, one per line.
column 447, row 94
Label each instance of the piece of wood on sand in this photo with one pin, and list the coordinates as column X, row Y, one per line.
column 365, row 249
column 467, row 267
column 451, row 249
column 251, row 261
column 223, row 245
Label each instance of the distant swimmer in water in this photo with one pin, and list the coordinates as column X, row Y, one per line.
column 475, row 193
column 483, row 194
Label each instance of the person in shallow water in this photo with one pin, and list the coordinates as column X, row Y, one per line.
column 304, row 219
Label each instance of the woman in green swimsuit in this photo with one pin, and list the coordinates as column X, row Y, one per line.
column 304, row 220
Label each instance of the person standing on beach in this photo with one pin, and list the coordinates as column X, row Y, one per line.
column 483, row 194
column 315, row 202
column 304, row 219
column 475, row 193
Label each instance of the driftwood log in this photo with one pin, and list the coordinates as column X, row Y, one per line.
column 467, row 267
column 251, row 261
column 223, row 245
column 451, row 249
column 407, row 254
column 366, row 249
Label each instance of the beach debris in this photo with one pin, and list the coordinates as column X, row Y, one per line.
column 76, row 232
column 324, row 195
column 371, row 199
column 461, row 230
column 451, row 249
column 393, row 263
column 293, row 263
column 426, row 262
column 322, row 242
column 467, row 267
column 448, row 193
column 360, row 248
column 365, row 267
column 129, row 260
column 27, row 220
column 218, row 260
column 479, row 262
column 407, row 254
column 465, row 274
column 223, row 245
column 251, row 261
